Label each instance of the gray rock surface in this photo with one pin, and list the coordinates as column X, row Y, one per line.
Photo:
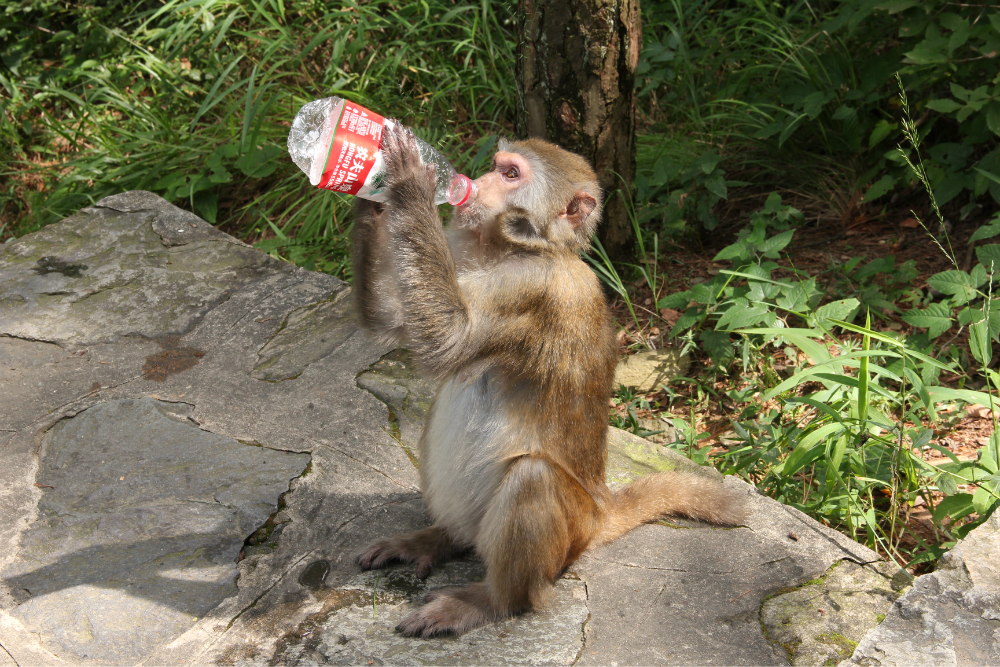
column 950, row 617
column 823, row 621
column 174, row 400
column 645, row 371
column 151, row 534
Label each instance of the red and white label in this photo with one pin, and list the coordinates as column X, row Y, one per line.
column 354, row 151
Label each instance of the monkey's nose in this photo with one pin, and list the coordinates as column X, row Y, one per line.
column 463, row 190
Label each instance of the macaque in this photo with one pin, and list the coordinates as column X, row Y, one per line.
column 501, row 309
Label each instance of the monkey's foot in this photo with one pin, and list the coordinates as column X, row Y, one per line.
column 426, row 548
column 450, row 611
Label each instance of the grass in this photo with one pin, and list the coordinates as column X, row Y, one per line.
column 193, row 100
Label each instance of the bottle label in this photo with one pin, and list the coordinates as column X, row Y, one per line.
column 354, row 164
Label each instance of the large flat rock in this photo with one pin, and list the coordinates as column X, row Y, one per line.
column 950, row 617
column 132, row 542
column 196, row 439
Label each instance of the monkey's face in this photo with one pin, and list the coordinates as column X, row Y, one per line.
column 526, row 200
column 509, row 173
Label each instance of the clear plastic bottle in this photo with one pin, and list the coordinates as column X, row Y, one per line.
column 337, row 143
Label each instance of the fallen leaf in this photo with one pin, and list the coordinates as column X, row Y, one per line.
column 979, row 411
column 909, row 223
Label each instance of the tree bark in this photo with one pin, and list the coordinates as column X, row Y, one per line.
column 576, row 70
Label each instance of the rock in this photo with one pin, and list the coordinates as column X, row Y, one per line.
column 646, row 371
column 358, row 626
column 263, row 441
column 822, row 621
column 68, row 284
column 133, row 544
column 395, row 381
column 631, row 457
column 660, row 431
column 950, row 616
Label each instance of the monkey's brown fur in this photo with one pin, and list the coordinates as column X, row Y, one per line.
column 503, row 311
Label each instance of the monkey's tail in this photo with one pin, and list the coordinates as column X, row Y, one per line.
column 671, row 493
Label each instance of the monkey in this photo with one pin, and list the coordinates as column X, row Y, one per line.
column 502, row 311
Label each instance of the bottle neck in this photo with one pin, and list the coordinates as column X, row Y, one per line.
column 462, row 191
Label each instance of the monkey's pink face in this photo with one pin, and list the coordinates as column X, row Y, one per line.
column 508, row 173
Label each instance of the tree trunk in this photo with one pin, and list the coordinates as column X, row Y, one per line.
column 576, row 69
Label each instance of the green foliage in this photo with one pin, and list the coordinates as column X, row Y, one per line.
column 838, row 445
column 804, row 91
column 192, row 100
column 631, row 402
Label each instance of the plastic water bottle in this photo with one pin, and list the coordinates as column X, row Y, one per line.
column 338, row 144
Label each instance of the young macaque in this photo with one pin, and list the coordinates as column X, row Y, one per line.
column 501, row 309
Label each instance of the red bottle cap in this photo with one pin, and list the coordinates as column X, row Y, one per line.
column 461, row 191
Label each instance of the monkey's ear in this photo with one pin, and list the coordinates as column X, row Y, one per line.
column 579, row 209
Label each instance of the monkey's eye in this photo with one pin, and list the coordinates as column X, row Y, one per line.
column 511, row 173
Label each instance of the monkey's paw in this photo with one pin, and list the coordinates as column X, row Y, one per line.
column 383, row 552
column 407, row 177
column 449, row 611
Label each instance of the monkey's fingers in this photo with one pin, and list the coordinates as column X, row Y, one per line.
column 402, row 156
column 449, row 611
column 379, row 554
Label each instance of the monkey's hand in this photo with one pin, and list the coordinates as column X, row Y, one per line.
column 410, row 181
column 450, row 611
column 383, row 552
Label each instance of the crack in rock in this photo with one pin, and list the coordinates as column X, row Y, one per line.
column 140, row 521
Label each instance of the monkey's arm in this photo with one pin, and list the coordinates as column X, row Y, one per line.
column 376, row 283
column 436, row 315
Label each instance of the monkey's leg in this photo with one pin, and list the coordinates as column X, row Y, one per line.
column 427, row 548
column 524, row 540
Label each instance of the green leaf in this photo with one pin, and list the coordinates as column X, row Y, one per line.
column 708, row 161
column 989, row 257
column 959, row 36
column 789, row 129
column 717, row 345
column 936, row 318
column 986, row 231
column 979, row 340
column 734, row 251
column 813, row 103
column 771, row 246
column 703, row 293
column 844, row 309
column 956, row 283
column 896, row 6
column 207, row 205
column 220, row 175
column 807, row 442
column 883, row 128
column 717, row 186
column 928, row 52
column 742, row 314
column 675, row 300
column 260, row 162
column 944, row 105
column 956, row 506
column 793, row 298
column 690, row 317
column 983, row 501
column 879, row 188
column 993, row 116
